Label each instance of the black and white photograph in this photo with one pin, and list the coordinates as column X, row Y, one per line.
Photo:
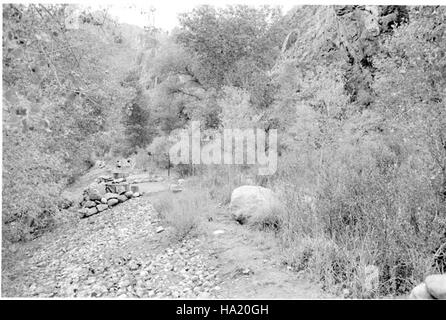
column 223, row 151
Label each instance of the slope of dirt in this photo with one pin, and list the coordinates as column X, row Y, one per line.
column 119, row 253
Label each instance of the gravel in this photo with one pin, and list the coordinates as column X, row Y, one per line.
column 117, row 253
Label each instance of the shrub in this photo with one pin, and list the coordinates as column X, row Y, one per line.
column 142, row 160
column 220, row 180
column 183, row 211
column 375, row 204
column 31, row 187
column 159, row 148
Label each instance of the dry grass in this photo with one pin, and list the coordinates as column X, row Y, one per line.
column 365, row 206
column 184, row 211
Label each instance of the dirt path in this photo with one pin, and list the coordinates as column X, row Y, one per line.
column 119, row 253
column 250, row 264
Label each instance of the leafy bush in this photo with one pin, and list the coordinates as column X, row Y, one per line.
column 60, row 94
column 159, row 149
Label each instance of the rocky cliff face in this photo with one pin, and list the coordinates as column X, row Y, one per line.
column 343, row 33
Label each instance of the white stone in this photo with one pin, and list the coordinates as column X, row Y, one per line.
column 436, row 285
column 255, row 204
column 420, row 293
column 175, row 188
column 159, row 229
column 110, row 195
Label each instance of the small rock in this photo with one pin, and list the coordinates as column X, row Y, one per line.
column 128, row 194
column 420, row 293
column 94, row 196
column 83, row 212
column 247, row 271
column 175, row 188
column 139, row 292
column 13, row 248
column 89, row 204
column 103, row 200
column 346, row 293
column 112, row 202
column 136, row 195
column 204, row 295
column 133, row 265
column 436, row 285
column 122, row 198
column 95, row 191
column 91, row 211
column 124, row 283
column 159, row 229
column 110, row 195
column 143, row 274
column 102, row 207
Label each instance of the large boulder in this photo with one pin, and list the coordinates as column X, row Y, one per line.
column 255, row 205
column 436, row 285
column 420, row 293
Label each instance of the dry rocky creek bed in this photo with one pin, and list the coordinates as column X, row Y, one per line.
column 119, row 253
